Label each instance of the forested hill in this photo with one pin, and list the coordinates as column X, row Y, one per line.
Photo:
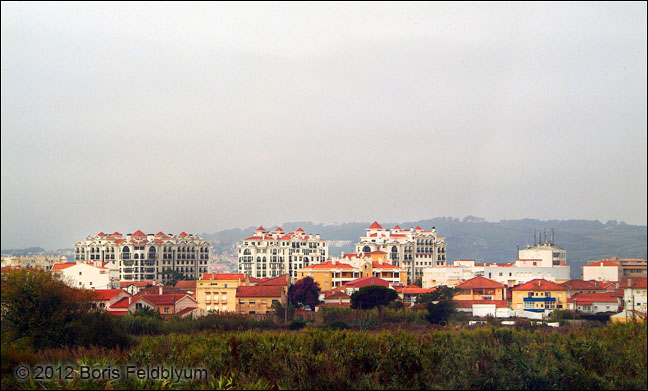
column 475, row 238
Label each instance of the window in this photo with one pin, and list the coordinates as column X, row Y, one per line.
column 167, row 309
column 252, row 302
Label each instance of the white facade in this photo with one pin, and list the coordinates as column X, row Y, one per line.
column 141, row 256
column 274, row 253
column 515, row 275
column 547, row 253
column 446, row 276
column 602, row 271
column 636, row 298
column 413, row 249
column 83, row 275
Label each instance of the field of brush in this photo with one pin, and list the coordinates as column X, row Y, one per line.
column 610, row 357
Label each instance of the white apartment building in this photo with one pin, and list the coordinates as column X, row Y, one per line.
column 602, row 271
column 413, row 249
column 273, row 253
column 84, row 275
column 519, row 272
column 546, row 254
column 140, row 257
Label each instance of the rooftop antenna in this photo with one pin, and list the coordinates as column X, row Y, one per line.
column 545, row 236
column 534, row 237
column 552, row 236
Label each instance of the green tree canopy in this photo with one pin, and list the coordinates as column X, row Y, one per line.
column 38, row 306
column 372, row 296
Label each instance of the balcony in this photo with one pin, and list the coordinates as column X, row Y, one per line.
column 150, row 276
column 149, row 263
column 149, row 270
column 128, row 263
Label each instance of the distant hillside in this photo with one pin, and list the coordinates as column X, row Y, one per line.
column 23, row 251
column 475, row 238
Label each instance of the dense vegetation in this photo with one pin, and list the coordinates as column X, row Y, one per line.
column 612, row 357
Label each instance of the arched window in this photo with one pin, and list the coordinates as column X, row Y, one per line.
column 151, row 252
column 366, row 249
column 125, row 253
column 247, row 252
column 136, row 256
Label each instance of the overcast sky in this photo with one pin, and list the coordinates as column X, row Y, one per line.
column 201, row 117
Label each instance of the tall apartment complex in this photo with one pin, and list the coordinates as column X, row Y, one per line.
column 141, row 256
column 413, row 249
column 274, row 253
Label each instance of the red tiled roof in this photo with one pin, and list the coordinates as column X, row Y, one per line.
column 117, row 241
column 283, row 280
column 581, row 285
column 166, row 299
column 259, row 291
column 603, row 263
column 640, row 284
column 186, row 285
column 260, row 228
column 469, row 303
column 123, row 284
column 183, row 234
column 329, row 265
column 540, row 285
column 254, row 238
column 397, row 227
column 299, row 230
column 116, row 234
column 378, row 252
column 479, row 282
column 185, row 310
column 589, row 298
column 223, row 276
column 417, row 228
column 384, row 265
column 61, row 266
column 160, row 234
column 366, row 281
column 105, row 294
column 138, row 233
column 122, row 303
column 397, row 235
column 375, row 225
column 101, row 234
column 279, row 229
column 338, row 295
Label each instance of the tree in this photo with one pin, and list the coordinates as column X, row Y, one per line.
column 305, row 292
column 440, row 293
column 39, row 307
column 373, row 296
column 172, row 276
column 440, row 305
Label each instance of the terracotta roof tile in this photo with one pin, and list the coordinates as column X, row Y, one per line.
column 105, row 294
column 259, row 291
column 479, row 282
column 540, row 285
column 223, row 276
column 375, row 225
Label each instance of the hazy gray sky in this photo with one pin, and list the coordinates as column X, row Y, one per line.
column 200, row 117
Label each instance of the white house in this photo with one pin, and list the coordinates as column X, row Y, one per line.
column 602, row 271
column 83, row 275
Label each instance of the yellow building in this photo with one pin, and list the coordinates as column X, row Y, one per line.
column 330, row 274
column 539, row 295
column 217, row 292
column 337, row 272
column 259, row 299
